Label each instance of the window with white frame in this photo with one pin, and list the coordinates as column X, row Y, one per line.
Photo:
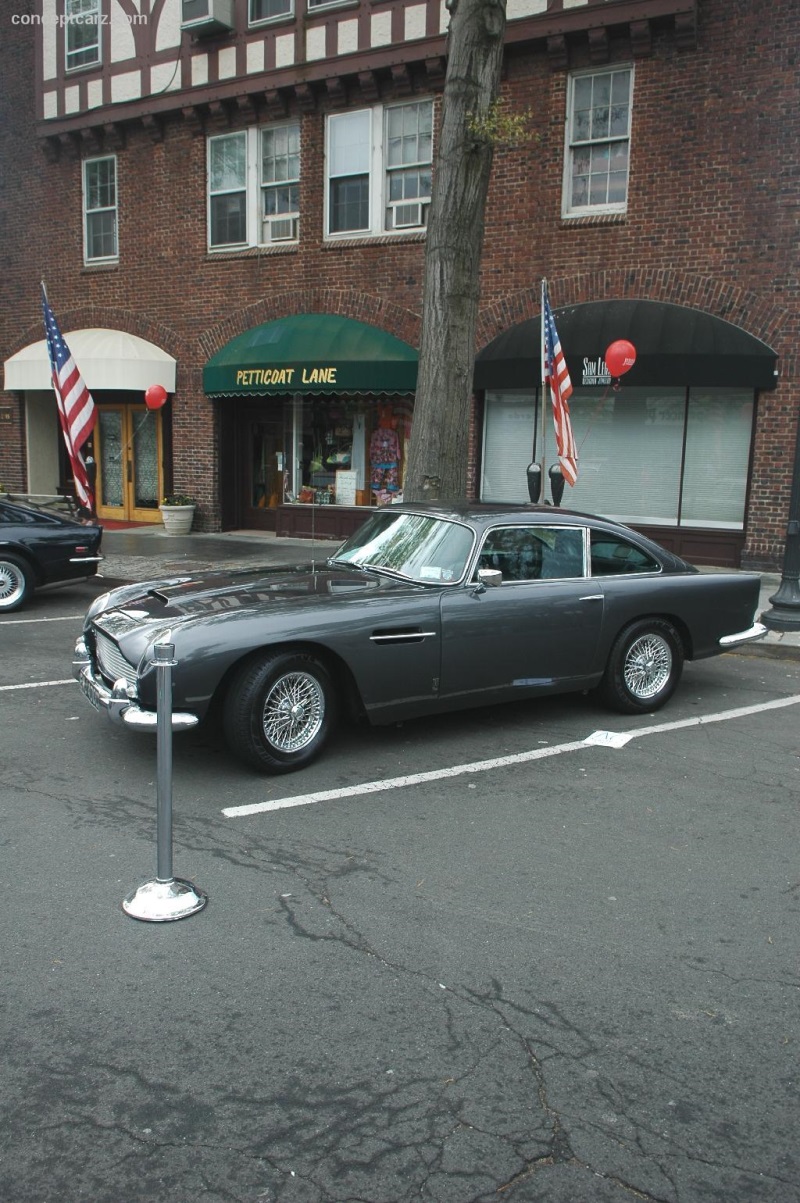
column 82, row 22
column 379, row 169
column 280, row 182
column 254, row 187
column 269, row 10
column 100, row 209
column 598, row 142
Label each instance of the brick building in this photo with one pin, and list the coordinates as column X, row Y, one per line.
column 229, row 197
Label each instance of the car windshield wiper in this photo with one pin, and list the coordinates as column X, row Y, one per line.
column 379, row 569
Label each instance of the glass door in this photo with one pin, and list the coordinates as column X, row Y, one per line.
column 263, row 474
column 128, row 454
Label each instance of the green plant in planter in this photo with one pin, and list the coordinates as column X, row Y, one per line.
column 178, row 499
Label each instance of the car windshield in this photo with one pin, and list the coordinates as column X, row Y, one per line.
column 414, row 546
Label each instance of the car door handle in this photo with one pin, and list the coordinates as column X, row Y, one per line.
column 410, row 635
column 591, row 597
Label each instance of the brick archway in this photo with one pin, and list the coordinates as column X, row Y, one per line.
column 362, row 307
column 740, row 306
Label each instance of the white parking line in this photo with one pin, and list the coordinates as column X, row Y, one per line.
column 39, row 684
column 483, row 766
column 18, row 622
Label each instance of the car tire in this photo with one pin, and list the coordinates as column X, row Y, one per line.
column 16, row 582
column 279, row 711
column 644, row 667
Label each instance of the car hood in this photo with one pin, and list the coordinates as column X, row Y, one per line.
column 209, row 595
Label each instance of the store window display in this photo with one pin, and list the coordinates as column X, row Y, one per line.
column 352, row 452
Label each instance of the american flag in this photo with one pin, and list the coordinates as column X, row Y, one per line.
column 557, row 377
column 76, row 409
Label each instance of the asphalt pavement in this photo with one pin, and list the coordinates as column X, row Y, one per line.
column 145, row 552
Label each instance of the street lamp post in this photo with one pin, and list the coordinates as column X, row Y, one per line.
column 784, row 611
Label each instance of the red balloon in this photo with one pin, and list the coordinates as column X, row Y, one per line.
column 620, row 357
column 155, row 396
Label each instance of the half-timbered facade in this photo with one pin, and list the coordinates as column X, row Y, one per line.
column 229, row 198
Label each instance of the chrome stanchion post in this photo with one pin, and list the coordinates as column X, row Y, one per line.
column 167, row 897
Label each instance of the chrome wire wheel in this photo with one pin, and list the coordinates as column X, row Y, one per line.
column 648, row 666
column 12, row 584
column 294, row 711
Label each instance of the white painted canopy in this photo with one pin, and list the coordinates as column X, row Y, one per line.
column 106, row 359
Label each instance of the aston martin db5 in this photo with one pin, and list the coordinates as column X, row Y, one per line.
column 425, row 609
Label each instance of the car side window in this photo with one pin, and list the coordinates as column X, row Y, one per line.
column 533, row 553
column 612, row 555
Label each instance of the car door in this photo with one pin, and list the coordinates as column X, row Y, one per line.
column 538, row 630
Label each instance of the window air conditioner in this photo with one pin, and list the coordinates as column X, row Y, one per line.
column 280, row 229
column 207, row 16
column 406, row 216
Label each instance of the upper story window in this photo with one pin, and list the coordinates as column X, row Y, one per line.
column 100, row 209
column 82, row 23
column 254, row 187
column 379, row 169
column 269, row 10
column 598, row 142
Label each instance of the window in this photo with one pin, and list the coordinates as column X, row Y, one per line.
column 651, row 456
column 100, row 209
column 598, row 142
column 379, row 169
column 82, row 24
column 254, row 187
column 280, row 182
column 612, row 555
column 268, row 10
column 534, row 553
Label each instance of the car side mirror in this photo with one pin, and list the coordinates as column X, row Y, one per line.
column 490, row 577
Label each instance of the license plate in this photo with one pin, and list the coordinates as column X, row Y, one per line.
column 90, row 691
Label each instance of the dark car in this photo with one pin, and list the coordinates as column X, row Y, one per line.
column 425, row 609
column 40, row 546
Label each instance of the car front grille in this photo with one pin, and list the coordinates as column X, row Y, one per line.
column 110, row 660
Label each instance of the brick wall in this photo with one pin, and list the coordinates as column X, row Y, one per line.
column 711, row 223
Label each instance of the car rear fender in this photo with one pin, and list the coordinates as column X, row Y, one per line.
column 702, row 607
column 21, row 552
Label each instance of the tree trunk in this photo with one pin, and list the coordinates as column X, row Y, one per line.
column 439, row 440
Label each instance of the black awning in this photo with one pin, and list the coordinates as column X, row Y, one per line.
column 674, row 346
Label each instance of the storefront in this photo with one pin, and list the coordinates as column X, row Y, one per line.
column 666, row 448
column 129, row 441
column 315, row 419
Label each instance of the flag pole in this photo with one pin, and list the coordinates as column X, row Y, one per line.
column 543, row 357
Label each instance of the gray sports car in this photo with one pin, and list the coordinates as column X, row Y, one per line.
column 425, row 609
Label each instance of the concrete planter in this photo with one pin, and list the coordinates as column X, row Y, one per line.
column 177, row 518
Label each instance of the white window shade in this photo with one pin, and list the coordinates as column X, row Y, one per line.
column 629, row 453
column 718, row 437
column 349, row 147
column 509, row 426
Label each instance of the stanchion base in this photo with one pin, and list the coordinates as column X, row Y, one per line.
column 163, row 901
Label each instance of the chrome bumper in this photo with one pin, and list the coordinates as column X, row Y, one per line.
column 757, row 631
column 120, row 702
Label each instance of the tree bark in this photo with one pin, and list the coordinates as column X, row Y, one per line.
column 463, row 162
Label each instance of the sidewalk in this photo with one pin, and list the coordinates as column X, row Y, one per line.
column 145, row 552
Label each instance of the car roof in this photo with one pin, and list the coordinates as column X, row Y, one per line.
column 485, row 512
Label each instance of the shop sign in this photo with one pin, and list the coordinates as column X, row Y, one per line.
column 595, row 371
column 266, row 377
